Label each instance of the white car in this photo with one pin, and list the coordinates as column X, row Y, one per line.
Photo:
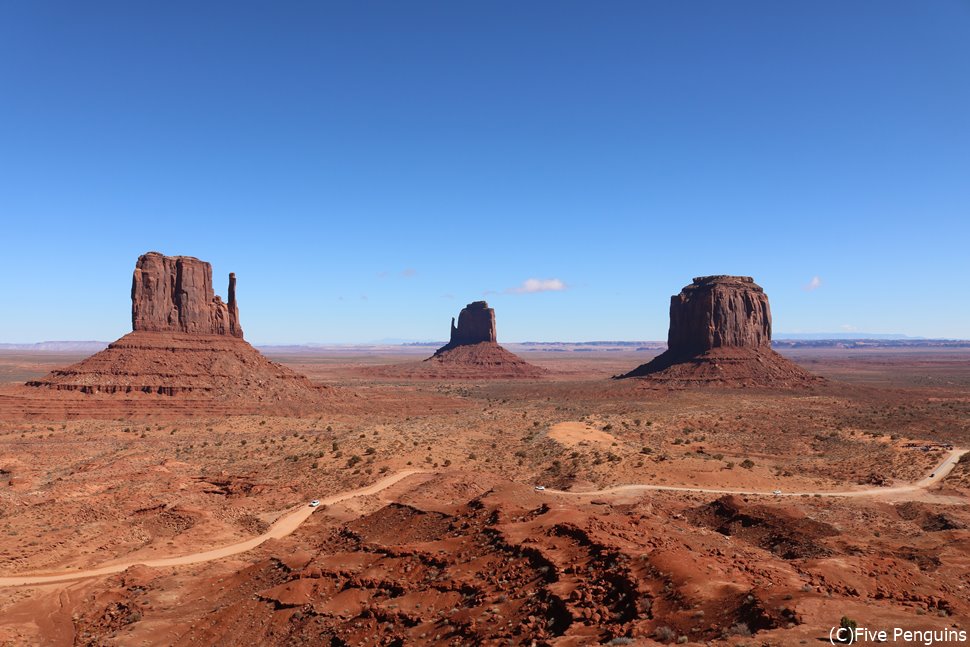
column 776, row 492
column 314, row 503
column 540, row 488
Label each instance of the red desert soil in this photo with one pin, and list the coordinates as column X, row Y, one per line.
column 471, row 553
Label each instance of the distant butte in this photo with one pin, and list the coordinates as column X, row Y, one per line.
column 472, row 353
column 720, row 334
column 185, row 342
column 476, row 325
column 473, row 350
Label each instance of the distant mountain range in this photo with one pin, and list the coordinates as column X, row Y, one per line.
column 841, row 335
column 60, row 346
column 782, row 340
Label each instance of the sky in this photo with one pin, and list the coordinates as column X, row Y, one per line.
column 367, row 168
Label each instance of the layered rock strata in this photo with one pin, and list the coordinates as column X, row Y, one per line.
column 185, row 342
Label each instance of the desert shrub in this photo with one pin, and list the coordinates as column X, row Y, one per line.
column 664, row 634
column 849, row 625
column 747, row 463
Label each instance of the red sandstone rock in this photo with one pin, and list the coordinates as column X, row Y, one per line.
column 720, row 333
column 473, row 351
column 719, row 311
column 186, row 342
column 174, row 294
column 476, row 324
column 472, row 354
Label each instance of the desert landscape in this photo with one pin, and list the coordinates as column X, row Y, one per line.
column 455, row 324
column 158, row 492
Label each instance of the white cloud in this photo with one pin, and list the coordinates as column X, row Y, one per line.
column 812, row 285
column 848, row 328
column 531, row 286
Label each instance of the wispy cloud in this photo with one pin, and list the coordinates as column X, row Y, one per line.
column 813, row 285
column 848, row 328
column 407, row 273
column 531, row 286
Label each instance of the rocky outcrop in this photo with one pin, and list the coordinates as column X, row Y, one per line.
column 476, row 324
column 186, row 343
column 720, row 333
column 218, row 367
column 175, row 294
column 719, row 311
column 472, row 354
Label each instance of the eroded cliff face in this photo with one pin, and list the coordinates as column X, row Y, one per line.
column 175, row 294
column 476, row 323
column 717, row 312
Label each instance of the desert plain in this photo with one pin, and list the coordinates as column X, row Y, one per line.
column 770, row 513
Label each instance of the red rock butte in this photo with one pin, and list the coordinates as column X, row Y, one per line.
column 476, row 325
column 185, row 342
column 473, row 350
column 472, row 353
column 174, row 294
column 720, row 333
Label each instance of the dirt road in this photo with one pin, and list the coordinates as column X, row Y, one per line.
column 289, row 522
column 282, row 527
column 937, row 475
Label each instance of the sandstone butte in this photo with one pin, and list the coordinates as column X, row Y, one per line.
column 472, row 353
column 720, row 334
column 175, row 294
column 185, row 343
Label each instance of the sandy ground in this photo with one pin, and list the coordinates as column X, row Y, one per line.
column 119, row 488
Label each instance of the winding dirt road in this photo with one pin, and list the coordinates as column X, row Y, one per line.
column 283, row 526
column 937, row 475
column 289, row 522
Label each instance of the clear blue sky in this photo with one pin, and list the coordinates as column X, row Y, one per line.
column 366, row 168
